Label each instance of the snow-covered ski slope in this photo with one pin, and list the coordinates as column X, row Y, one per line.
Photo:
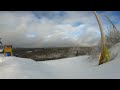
column 70, row 68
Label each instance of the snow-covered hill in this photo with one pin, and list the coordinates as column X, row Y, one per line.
column 70, row 68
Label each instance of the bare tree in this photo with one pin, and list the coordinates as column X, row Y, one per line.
column 112, row 37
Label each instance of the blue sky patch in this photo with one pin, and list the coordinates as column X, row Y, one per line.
column 76, row 24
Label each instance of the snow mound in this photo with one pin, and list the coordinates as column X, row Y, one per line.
column 14, row 67
column 115, row 51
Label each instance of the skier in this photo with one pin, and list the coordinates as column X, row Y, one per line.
column 77, row 53
column 0, row 41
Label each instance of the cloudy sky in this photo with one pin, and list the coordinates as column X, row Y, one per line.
column 53, row 28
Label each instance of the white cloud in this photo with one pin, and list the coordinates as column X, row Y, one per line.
column 24, row 29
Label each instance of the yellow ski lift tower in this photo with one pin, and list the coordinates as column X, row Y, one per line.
column 8, row 50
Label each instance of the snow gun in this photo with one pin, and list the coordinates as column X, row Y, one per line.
column 104, row 54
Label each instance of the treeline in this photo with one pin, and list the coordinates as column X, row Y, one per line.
column 41, row 54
